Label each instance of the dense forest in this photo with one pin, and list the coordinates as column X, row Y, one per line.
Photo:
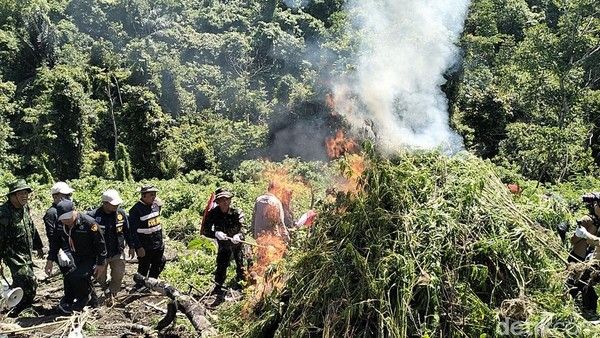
column 197, row 94
column 141, row 89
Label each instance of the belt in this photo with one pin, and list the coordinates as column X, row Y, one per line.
column 148, row 231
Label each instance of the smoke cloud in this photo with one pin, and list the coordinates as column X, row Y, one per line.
column 296, row 3
column 406, row 46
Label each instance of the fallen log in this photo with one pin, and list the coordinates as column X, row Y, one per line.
column 194, row 311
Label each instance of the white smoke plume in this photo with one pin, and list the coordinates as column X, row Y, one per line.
column 296, row 3
column 406, row 47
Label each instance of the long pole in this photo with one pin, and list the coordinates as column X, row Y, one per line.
column 250, row 243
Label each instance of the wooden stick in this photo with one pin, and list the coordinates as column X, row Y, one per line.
column 29, row 328
column 250, row 243
column 155, row 307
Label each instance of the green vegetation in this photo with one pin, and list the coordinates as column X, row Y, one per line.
column 198, row 85
column 431, row 247
column 188, row 94
column 528, row 92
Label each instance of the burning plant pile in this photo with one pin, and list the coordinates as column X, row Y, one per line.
column 426, row 246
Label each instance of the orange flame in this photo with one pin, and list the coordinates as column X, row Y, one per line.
column 350, row 183
column 339, row 145
column 264, row 281
column 284, row 185
column 271, row 250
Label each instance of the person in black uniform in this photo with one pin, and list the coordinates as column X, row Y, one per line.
column 146, row 233
column 114, row 225
column 226, row 225
column 60, row 191
column 84, row 252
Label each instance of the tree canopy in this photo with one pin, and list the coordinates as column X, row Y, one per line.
column 201, row 85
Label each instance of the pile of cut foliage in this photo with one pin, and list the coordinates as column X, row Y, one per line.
column 430, row 246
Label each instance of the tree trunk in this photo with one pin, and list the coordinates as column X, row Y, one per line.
column 194, row 311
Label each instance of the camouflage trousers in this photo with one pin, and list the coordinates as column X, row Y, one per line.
column 23, row 277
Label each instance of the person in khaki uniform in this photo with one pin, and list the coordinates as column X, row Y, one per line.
column 581, row 245
column 269, row 216
column 114, row 224
column 18, row 236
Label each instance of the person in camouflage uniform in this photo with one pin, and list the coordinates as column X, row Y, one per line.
column 18, row 236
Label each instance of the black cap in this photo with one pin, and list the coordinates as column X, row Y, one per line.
column 63, row 207
column 223, row 194
column 591, row 197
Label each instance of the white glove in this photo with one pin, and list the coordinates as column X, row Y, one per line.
column 220, row 235
column 63, row 259
column 582, row 233
column 236, row 239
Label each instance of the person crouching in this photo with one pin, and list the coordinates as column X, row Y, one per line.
column 83, row 251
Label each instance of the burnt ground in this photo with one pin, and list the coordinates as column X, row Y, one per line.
column 131, row 314
column 107, row 320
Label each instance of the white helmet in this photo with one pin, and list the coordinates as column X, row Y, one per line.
column 61, row 188
column 112, row 196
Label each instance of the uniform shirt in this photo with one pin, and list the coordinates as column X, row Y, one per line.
column 50, row 223
column 269, row 217
column 145, row 227
column 82, row 240
column 114, row 228
column 230, row 222
column 581, row 247
column 18, row 234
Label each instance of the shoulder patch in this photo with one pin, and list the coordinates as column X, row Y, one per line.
column 94, row 227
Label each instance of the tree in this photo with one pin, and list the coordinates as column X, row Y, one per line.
column 547, row 154
column 8, row 160
column 143, row 126
column 54, row 124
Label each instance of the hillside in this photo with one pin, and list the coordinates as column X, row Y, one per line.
column 440, row 143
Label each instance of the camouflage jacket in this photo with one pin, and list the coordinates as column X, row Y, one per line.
column 18, row 235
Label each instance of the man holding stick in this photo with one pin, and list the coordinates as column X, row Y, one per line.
column 226, row 225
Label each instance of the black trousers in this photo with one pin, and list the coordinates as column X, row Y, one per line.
column 585, row 286
column 78, row 282
column 223, row 257
column 65, row 271
column 153, row 263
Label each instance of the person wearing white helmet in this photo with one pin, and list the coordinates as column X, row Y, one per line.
column 60, row 191
column 114, row 225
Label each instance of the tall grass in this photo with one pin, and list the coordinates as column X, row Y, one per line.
column 431, row 246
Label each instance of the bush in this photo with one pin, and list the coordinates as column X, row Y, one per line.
column 429, row 246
